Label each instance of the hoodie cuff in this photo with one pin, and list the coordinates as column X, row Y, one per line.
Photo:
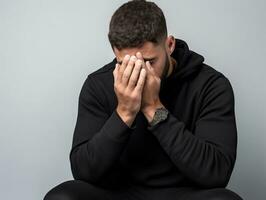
column 117, row 129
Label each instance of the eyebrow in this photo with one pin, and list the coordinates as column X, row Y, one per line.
column 145, row 59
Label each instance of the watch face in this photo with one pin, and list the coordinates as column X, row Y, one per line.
column 160, row 115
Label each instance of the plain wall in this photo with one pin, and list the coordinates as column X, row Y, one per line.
column 47, row 49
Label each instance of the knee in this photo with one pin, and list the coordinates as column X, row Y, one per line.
column 220, row 194
column 61, row 192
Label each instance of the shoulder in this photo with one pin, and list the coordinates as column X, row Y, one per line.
column 101, row 77
column 210, row 77
column 104, row 69
column 213, row 84
column 98, row 85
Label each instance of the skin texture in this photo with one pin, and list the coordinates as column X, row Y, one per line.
column 137, row 77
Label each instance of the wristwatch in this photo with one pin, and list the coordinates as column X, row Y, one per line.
column 160, row 115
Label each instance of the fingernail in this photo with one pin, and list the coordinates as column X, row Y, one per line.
column 148, row 65
column 133, row 58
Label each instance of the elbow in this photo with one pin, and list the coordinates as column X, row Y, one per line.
column 214, row 181
column 218, row 178
column 218, row 174
column 80, row 169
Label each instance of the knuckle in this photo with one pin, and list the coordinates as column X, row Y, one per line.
column 126, row 76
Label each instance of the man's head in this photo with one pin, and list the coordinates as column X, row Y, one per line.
column 140, row 26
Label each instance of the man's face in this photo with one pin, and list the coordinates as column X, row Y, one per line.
column 156, row 54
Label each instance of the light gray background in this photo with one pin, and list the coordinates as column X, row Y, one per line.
column 47, row 48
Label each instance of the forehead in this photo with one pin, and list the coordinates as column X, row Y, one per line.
column 148, row 50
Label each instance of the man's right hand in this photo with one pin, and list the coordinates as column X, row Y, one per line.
column 129, row 79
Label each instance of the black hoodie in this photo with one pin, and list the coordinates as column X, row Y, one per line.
column 195, row 146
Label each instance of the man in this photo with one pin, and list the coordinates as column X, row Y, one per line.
column 155, row 123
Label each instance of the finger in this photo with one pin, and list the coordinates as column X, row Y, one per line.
column 150, row 68
column 141, row 80
column 139, row 55
column 135, row 74
column 128, row 70
column 115, row 72
column 122, row 67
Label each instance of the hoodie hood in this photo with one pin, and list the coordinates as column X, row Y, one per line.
column 188, row 62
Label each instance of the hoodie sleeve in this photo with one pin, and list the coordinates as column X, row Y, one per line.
column 98, row 138
column 207, row 155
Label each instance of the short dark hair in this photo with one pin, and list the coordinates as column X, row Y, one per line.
column 136, row 22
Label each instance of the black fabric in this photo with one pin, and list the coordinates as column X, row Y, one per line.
column 196, row 146
column 80, row 190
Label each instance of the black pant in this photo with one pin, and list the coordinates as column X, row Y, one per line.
column 80, row 190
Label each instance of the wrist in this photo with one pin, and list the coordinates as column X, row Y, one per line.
column 160, row 115
column 127, row 117
column 150, row 111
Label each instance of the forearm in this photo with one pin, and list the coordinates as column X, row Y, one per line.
column 206, row 163
column 93, row 158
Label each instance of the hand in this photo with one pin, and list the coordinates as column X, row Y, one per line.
column 129, row 79
column 150, row 93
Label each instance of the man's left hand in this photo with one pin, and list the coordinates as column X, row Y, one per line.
column 150, row 94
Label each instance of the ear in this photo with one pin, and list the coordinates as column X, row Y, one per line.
column 170, row 44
